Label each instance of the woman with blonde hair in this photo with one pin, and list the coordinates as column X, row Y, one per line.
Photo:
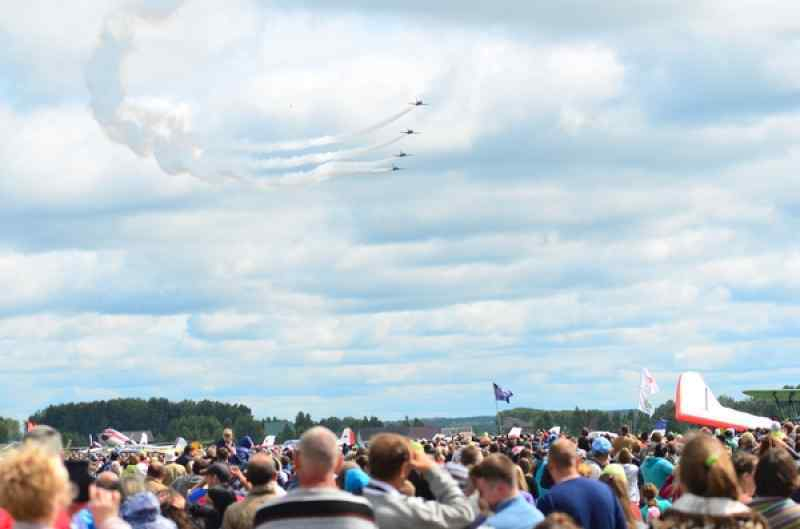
column 34, row 486
column 616, row 481
column 522, row 485
column 711, row 491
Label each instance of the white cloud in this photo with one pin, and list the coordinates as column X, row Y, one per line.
column 567, row 216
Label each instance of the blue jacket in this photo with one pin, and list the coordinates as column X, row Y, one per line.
column 515, row 513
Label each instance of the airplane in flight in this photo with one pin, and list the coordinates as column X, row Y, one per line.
column 409, row 132
column 418, row 103
column 402, row 154
column 395, row 168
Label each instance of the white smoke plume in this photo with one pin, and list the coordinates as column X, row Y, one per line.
column 290, row 162
column 323, row 172
column 321, row 141
column 163, row 129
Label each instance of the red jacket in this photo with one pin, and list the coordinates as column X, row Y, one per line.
column 62, row 522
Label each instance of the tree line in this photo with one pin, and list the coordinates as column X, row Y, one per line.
column 204, row 420
column 9, row 430
column 167, row 420
column 194, row 420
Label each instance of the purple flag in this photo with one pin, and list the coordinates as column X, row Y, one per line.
column 502, row 394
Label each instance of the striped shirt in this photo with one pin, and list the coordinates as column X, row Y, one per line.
column 781, row 513
column 317, row 508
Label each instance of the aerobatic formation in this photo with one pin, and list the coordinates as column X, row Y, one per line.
column 161, row 129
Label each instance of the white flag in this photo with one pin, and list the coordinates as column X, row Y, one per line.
column 645, row 406
column 648, row 385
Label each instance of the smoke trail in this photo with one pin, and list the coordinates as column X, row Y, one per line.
column 322, row 173
column 149, row 127
column 317, row 158
column 321, row 141
column 162, row 129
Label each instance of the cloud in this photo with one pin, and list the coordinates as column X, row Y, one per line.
column 588, row 196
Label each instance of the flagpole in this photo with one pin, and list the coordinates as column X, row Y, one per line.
column 635, row 414
column 496, row 415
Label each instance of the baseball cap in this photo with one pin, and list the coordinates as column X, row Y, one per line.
column 616, row 470
column 601, row 445
column 776, row 430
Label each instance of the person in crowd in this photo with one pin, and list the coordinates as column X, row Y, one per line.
column 614, row 477
column 654, row 506
column 173, row 507
column 216, row 475
column 83, row 519
column 496, row 480
column 776, row 478
column 711, row 497
column 527, row 469
column 522, row 485
column 625, row 458
column 747, row 443
column 172, row 470
column 656, row 468
column 316, row 502
column 34, row 487
column 212, row 512
column 624, row 440
column 788, row 434
column 600, row 456
column 584, row 443
column 155, row 478
column 356, row 479
column 191, row 481
column 227, row 440
column 391, row 459
column 187, row 456
column 261, row 476
column 558, row 520
column 744, row 464
column 469, row 456
column 591, row 503
column 142, row 510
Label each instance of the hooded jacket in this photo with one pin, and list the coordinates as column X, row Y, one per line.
column 142, row 511
column 656, row 470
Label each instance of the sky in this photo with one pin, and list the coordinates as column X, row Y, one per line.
column 597, row 188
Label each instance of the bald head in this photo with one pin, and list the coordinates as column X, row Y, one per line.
column 562, row 460
column 318, row 457
column 107, row 480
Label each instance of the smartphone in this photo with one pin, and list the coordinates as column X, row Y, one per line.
column 80, row 478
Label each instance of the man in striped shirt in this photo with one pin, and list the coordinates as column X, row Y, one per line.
column 776, row 477
column 316, row 503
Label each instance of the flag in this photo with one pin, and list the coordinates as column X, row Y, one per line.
column 348, row 437
column 647, row 384
column 502, row 394
column 645, row 406
column 647, row 387
column 661, row 424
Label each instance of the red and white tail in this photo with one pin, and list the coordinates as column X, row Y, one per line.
column 348, row 437
column 113, row 437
